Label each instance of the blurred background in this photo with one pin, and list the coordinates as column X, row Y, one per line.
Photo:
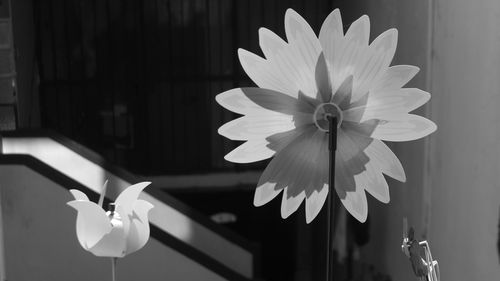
column 130, row 86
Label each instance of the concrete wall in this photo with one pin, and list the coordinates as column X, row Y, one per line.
column 452, row 195
column 466, row 150
column 41, row 244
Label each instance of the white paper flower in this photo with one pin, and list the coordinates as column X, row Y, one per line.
column 306, row 79
column 113, row 234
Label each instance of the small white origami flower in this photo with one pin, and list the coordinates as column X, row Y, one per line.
column 115, row 233
column 302, row 82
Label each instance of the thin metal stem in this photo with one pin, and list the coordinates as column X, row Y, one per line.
column 113, row 269
column 330, row 203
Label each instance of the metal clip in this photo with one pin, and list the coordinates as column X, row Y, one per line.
column 419, row 254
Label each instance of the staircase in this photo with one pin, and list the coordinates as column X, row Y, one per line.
column 38, row 168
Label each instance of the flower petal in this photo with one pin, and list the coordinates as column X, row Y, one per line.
column 91, row 223
column 346, row 59
column 386, row 43
column 79, row 195
column 257, row 126
column 356, row 204
column 374, row 182
column 279, row 141
column 395, row 77
column 300, row 167
column 342, row 96
column 235, row 100
column 359, row 31
column 138, row 233
column 257, row 101
column 251, row 151
column 296, row 27
column 303, row 163
column 265, row 193
column 300, row 34
column 269, row 74
column 411, row 128
column 381, row 156
column 322, row 75
column 389, row 105
column 367, row 69
column 306, row 49
column 331, row 35
column 111, row 245
column 290, row 204
column 125, row 221
column 129, row 196
column 350, row 160
column 351, row 143
column 267, row 188
column 270, row 43
column 370, row 63
column 315, row 202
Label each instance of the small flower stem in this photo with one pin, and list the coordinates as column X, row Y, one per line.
column 103, row 193
column 113, row 269
column 330, row 201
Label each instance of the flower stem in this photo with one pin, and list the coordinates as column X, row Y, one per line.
column 113, row 269
column 103, row 193
column 330, row 203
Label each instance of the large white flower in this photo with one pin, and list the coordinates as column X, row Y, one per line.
column 115, row 233
column 303, row 81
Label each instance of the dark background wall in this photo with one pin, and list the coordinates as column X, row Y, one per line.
column 136, row 80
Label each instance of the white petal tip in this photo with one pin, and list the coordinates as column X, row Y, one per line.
column 284, row 214
column 227, row 131
column 264, row 194
column 78, row 195
column 356, row 204
column 393, row 31
column 385, row 200
column 315, row 202
column 141, row 185
column 309, row 220
column 362, row 219
column 231, row 158
column 290, row 12
column 290, row 204
column 262, row 31
column 402, row 178
column 146, row 204
column 258, row 202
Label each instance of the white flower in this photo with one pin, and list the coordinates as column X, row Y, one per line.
column 300, row 83
column 116, row 233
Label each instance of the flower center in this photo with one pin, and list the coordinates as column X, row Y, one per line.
column 323, row 111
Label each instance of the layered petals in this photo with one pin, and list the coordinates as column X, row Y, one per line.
column 410, row 128
column 307, row 78
column 92, row 223
column 117, row 233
